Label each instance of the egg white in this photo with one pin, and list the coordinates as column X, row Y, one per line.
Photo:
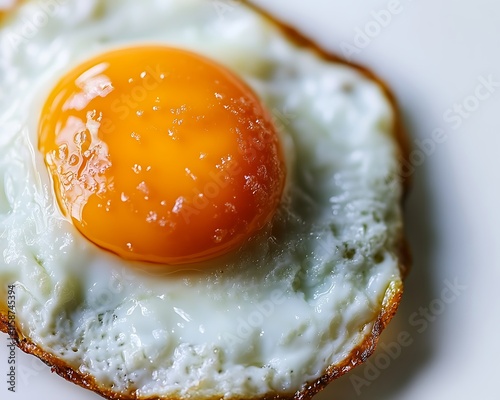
column 267, row 318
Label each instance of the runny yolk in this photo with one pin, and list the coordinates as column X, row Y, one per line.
column 161, row 155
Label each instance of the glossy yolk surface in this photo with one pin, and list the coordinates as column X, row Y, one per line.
column 161, row 155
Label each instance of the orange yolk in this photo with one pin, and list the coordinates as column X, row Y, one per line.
column 161, row 155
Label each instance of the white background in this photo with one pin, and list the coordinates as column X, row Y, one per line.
column 433, row 54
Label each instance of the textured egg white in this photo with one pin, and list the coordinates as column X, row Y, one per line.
column 266, row 318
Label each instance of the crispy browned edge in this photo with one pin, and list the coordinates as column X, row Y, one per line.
column 358, row 356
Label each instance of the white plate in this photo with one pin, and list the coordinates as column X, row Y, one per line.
column 436, row 56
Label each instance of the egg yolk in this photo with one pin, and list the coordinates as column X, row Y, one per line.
column 161, row 155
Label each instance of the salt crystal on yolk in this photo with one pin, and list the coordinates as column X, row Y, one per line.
column 161, row 155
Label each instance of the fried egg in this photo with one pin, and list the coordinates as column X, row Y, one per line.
column 193, row 206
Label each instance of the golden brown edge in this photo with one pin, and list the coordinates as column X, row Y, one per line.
column 392, row 297
column 358, row 356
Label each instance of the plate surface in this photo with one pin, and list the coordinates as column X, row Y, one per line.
column 442, row 61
